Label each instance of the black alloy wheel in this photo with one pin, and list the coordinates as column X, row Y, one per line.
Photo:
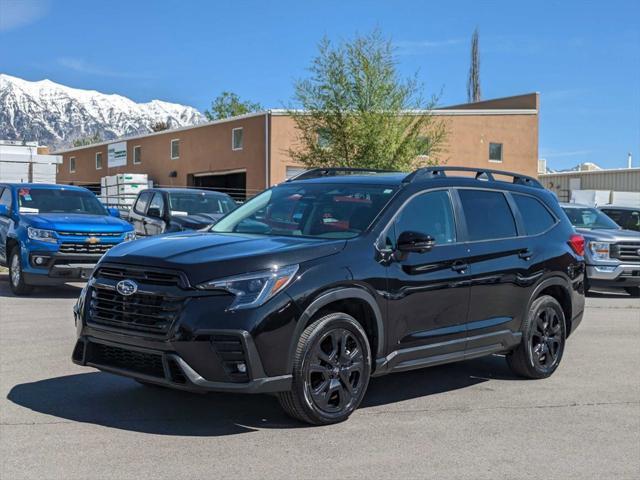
column 331, row 370
column 544, row 333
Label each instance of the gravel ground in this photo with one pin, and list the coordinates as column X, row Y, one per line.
column 468, row 420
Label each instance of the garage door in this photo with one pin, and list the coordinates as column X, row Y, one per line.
column 293, row 171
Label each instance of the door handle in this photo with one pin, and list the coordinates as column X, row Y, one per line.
column 525, row 254
column 459, row 266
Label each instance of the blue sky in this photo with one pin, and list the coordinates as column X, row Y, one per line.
column 583, row 57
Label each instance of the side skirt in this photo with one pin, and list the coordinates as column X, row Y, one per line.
column 425, row 356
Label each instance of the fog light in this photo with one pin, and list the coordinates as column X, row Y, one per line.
column 40, row 260
column 241, row 367
column 605, row 269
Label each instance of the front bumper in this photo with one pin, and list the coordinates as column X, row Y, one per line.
column 621, row 275
column 58, row 268
column 171, row 370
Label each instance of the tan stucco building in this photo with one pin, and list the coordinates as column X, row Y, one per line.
column 245, row 154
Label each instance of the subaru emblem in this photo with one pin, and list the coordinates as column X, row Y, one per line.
column 126, row 287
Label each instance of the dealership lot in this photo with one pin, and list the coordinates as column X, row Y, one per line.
column 467, row 420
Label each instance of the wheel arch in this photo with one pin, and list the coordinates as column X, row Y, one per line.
column 558, row 288
column 354, row 301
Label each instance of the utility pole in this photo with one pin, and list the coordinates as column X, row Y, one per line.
column 473, row 83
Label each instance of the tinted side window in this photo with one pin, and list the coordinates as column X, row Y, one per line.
column 535, row 216
column 487, row 214
column 616, row 215
column 429, row 213
column 142, row 202
column 5, row 197
column 157, row 203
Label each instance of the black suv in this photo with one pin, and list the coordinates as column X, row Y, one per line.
column 321, row 282
column 160, row 210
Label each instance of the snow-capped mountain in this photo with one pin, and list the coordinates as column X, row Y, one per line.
column 56, row 115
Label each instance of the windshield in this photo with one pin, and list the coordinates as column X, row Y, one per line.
column 313, row 210
column 50, row 200
column 586, row 217
column 193, row 203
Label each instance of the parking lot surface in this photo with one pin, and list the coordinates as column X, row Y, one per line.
column 467, row 420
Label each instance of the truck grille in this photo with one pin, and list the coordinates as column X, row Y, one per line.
column 85, row 248
column 629, row 252
column 90, row 234
column 143, row 312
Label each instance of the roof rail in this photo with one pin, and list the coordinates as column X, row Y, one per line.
column 481, row 173
column 333, row 171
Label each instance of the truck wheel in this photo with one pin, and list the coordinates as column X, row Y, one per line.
column 543, row 336
column 16, row 277
column 331, row 369
column 633, row 291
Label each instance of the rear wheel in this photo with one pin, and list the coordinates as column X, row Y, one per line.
column 543, row 338
column 16, row 276
column 633, row 291
column 331, row 371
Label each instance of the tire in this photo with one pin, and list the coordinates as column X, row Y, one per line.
column 633, row 291
column 543, row 339
column 331, row 369
column 16, row 277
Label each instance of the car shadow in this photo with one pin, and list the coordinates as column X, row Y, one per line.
column 118, row 402
column 61, row 291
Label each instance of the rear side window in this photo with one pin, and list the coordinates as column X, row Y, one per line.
column 143, row 201
column 535, row 216
column 487, row 214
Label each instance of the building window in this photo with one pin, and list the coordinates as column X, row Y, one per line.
column 424, row 146
column 324, row 138
column 72, row 165
column 495, row 152
column 137, row 155
column 237, row 135
column 99, row 161
column 175, row 149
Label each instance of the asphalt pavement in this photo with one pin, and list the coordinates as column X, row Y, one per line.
column 470, row 420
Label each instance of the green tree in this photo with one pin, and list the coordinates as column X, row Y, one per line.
column 88, row 140
column 356, row 111
column 228, row 104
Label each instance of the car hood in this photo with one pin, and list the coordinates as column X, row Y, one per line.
column 205, row 256
column 197, row 221
column 76, row 222
column 609, row 235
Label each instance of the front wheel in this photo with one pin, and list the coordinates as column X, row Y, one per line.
column 543, row 337
column 331, row 369
column 16, row 276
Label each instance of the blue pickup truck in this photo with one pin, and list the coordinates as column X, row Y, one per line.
column 52, row 234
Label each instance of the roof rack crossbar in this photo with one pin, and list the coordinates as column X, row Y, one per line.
column 480, row 173
column 332, row 171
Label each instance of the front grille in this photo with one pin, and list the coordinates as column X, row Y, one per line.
column 116, row 357
column 142, row 312
column 85, row 248
column 148, row 277
column 89, row 234
column 231, row 352
column 626, row 251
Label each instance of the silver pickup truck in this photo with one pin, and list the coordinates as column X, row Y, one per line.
column 611, row 253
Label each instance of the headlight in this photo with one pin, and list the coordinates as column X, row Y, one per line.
column 42, row 235
column 129, row 235
column 253, row 289
column 599, row 250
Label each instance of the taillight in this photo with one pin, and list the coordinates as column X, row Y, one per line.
column 576, row 242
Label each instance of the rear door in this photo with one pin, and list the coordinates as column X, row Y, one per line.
column 499, row 260
column 139, row 211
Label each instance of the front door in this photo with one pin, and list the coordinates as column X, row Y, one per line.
column 155, row 224
column 5, row 223
column 428, row 292
column 138, row 213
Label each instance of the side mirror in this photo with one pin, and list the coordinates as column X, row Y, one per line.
column 415, row 242
column 114, row 212
column 153, row 212
column 4, row 211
